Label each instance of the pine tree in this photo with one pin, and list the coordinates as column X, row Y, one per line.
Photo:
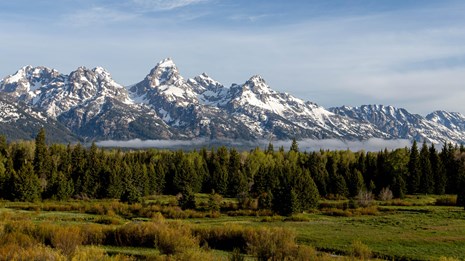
column 414, row 170
column 356, row 183
column 426, row 178
column 26, row 184
column 340, row 186
column 7, row 191
column 3, row 146
column 438, row 170
column 307, row 191
column 131, row 195
column 187, row 200
column 64, row 187
column 270, row 148
column 294, row 146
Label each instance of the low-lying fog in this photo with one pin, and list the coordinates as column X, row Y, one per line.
column 373, row 144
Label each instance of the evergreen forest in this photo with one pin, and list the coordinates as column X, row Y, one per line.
column 280, row 180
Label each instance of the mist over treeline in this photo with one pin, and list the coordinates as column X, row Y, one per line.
column 373, row 144
column 284, row 180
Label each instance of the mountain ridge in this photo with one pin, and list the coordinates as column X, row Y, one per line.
column 89, row 104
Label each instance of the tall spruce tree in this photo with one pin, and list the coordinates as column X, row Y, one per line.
column 427, row 178
column 294, row 146
column 26, row 184
column 41, row 157
column 414, row 170
column 438, row 170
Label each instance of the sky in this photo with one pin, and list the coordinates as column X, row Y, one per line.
column 405, row 53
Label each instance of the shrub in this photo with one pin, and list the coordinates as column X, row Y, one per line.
column 304, row 253
column 385, row 194
column 297, row 218
column 227, row 238
column 365, row 199
column 236, row 255
column 93, row 234
column 172, row 238
column 443, row 258
column 93, row 253
column 107, row 220
column 360, row 250
column 37, row 252
column 187, row 200
column 271, row 243
column 194, row 255
column 449, row 200
column 273, row 219
column 67, row 239
column 214, row 202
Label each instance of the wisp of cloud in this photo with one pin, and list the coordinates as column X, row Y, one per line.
column 373, row 144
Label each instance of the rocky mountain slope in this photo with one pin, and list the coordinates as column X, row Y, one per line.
column 90, row 105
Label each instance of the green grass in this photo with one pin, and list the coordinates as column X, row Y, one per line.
column 411, row 229
column 138, row 252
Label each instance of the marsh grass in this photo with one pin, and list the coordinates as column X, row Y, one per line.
column 410, row 228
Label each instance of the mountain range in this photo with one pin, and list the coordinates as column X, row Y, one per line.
column 88, row 105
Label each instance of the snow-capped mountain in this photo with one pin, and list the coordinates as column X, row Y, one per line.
column 452, row 120
column 165, row 105
column 22, row 122
column 399, row 123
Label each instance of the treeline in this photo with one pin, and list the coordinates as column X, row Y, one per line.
column 283, row 181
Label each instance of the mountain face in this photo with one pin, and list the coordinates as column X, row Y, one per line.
column 88, row 104
column 399, row 123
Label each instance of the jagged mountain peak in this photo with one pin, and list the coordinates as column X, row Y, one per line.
column 165, row 105
column 258, row 85
column 164, row 73
column 26, row 82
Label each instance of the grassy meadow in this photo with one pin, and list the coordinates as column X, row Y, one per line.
column 415, row 228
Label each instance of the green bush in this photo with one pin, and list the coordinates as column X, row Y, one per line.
column 67, row 239
column 448, row 200
column 360, row 250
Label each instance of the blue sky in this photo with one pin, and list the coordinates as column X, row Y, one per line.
column 409, row 54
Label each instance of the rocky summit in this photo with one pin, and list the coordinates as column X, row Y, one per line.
column 88, row 104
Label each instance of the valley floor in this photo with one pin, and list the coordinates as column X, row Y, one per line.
column 414, row 228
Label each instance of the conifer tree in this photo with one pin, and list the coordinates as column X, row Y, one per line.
column 9, row 179
column 63, row 188
column 414, row 170
column 294, row 146
column 26, row 184
column 41, row 157
column 270, row 148
column 340, row 186
column 438, row 170
column 237, row 180
column 187, row 200
column 426, row 178
column 3, row 146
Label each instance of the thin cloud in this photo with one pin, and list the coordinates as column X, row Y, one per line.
column 304, row 145
column 163, row 5
column 98, row 16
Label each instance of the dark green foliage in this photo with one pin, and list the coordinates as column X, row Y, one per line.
column 131, row 195
column 414, row 169
column 187, row 200
column 294, row 146
column 356, row 183
column 439, row 173
column 214, row 201
column 63, row 188
column 285, row 182
column 42, row 160
column 427, row 178
column 3, row 146
column 26, row 184
column 265, row 200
